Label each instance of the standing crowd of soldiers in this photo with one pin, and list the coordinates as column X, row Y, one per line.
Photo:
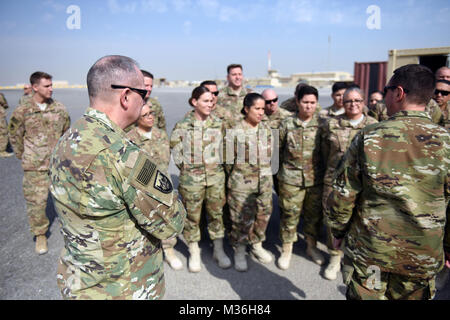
column 377, row 176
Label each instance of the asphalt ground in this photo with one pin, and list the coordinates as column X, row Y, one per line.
column 26, row 276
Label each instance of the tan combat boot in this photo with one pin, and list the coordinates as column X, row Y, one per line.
column 312, row 252
column 41, row 244
column 194, row 259
column 219, row 255
column 285, row 259
column 173, row 261
column 333, row 267
column 240, row 261
column 260, row 253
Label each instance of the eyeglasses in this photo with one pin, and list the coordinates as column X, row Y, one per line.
column 353, row 101
column 443, row 92
column 148, row 114
column 141, row 92
column 385, row 90
column 216, row 93
column 271, row 101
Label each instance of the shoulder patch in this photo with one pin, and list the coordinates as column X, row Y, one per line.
column 147, row 177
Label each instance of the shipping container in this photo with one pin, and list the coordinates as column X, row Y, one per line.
column 370, row 76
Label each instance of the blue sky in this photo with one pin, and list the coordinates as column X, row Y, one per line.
column 197, row 39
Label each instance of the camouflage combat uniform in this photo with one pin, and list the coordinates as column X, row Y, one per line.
column 300, row 177
column 331, row 112
column 232, row 102
column 389, row 202
column 3, row 124
column 445, row 116
column 291, row 105
column 337, row 134
column 248, row 164
column 114, row 206
column 33, row 134
column 155, row 106
column 380, row 111
column 274, row 120
column 196, row 150
column 157, row 146
column 24, row 98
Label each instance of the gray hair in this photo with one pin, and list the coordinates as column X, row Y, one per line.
column 361, row 92
column 110, row 70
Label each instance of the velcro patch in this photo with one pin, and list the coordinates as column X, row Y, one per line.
column 146, row 176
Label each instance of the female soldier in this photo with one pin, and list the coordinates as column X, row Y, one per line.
column 248, row 164
column 337, row 135
column 196, row 144
column 301, row 176
column 156, row 142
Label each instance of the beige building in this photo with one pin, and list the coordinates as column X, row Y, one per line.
column 430, row 57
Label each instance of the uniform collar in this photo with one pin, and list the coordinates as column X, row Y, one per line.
column 411, row 113
column 103, row 118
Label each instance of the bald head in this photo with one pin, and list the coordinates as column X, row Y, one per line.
column 271, row 96
column 443, row 73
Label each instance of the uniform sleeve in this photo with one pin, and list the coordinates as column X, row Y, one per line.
column 324, row 142
column 176, row 146
column 165, row 152
column 160, row 119
column 346, row 185
column 16, row 131
column 3, row 102
column 150, row 199
column 67, row 122
column 447, row 224
column 282, row 141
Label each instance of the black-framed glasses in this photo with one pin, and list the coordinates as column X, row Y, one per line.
column 148, row 114
column 353, row 101
column 216, row 93
column 385, row 90
column 271, row 101
column 141, row 92
column 443, row 92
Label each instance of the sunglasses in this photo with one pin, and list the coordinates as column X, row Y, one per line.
column 141, row 92
column 385, row 90
column 216, row 93
column 271, row 101
column 443, row 92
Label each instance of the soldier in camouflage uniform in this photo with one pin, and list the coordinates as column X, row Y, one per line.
column 337, row 133
column 232, row 96
column 34, row 130
column 442, row 98
column 114, row 204
column 197, row 143
column 291, row 103
column 156, row 143
column 27, row 93
column 390, row 197
column 301, row 177
column 248, row 164
column 218, row 111
column 160, row 120
column 3, row 128
column 337, row 108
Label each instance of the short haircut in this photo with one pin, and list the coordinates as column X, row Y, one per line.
column 299, row 86
column 110, row 70
column 339, row 86
column 208, row 83
column 36, row 77
column 443, row 81
column 232, row 66
column 418, row 80
column 147, row 74
column 250, row 99
column 306, row 90
column 197, row 93
column 357, row 89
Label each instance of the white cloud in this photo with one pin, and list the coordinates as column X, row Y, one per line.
column 181, row 5
column 159, row 6
column 115, row 7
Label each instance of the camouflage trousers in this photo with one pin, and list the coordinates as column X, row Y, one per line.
column 250, row 214
column 369, row 283
column 295, row 201
column 169, row 243
column 35, row 191
column 3, row 133
column 326, row 193
column 193, row 198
